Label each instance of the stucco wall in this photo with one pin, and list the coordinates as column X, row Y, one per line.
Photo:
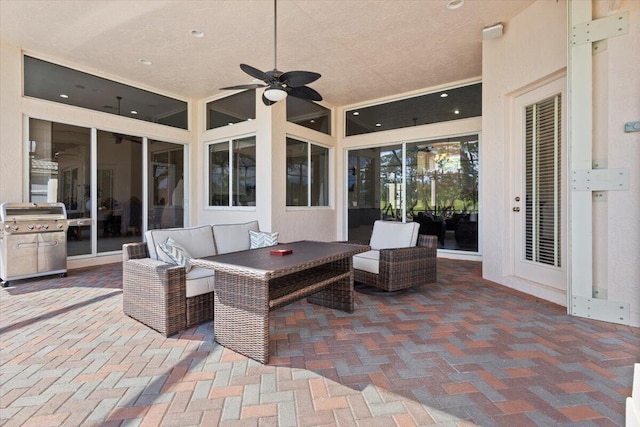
column 532, row 50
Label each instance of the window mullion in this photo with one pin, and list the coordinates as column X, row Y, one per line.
column 230, row 189
column 308, row 175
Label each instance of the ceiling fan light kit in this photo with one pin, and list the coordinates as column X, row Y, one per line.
column 279, row 85
column 275, row 93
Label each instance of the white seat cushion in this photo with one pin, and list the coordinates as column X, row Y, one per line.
column 389, row 235
column 233, row 237
column 367, row 261
column 199, row 281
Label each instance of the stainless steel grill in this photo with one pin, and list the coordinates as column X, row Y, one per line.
column 33, row 240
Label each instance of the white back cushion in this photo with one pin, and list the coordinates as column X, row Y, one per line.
column 233, row 237
column 389, row 235
column 198, row 241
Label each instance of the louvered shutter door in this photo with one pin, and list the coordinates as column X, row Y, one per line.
column 543, row 182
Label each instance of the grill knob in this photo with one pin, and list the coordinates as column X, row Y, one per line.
column 58, row 225
column 14, row 228
column 45, row 226
column 30, row 227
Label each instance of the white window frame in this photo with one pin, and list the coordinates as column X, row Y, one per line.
column 228, row 141
column 329, row 179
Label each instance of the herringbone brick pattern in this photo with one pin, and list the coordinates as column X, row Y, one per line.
column 462, row 352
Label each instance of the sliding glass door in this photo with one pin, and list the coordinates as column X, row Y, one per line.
column 433, row 182
column 102, row 184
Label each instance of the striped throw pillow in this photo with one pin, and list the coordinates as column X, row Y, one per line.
column 262, row 239
column 176, row 253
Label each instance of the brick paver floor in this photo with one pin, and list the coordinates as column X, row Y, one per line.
column 462, row 352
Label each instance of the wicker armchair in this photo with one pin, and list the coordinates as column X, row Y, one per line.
column 154, row 293
column 395, row 269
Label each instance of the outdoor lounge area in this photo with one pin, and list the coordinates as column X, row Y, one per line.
column 458, row 181
column 461, row 352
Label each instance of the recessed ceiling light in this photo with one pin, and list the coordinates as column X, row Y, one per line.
column 230, row 124
column 144, row 61
column 444, row 95
column 312, row 121
column 197, row 33
column 378, row 124
column 356, row 113
column 62, row 95
column 455, row 4
column 134, row 112
column 456, row 112
column 249, row 119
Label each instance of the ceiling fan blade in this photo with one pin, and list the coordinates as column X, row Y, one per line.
column 238, row 87
column 254, row 72
column 266, row 101
column 304, row 92
column 298, row 78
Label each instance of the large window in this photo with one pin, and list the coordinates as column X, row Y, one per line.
column 434, row 183
column 307, row 174
column 309, row 114
column 232, row 109
column 45, row 80
column 232, row 172
column 440, row 106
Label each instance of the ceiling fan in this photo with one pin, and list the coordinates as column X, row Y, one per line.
column 278, row 84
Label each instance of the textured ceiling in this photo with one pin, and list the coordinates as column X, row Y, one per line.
column 363, row 49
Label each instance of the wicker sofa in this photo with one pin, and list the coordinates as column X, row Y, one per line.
column 400, row 257
column 163, row 295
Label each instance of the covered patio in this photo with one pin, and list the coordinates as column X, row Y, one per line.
column 462, row 352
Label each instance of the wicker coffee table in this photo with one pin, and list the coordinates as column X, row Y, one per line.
column 249, row 284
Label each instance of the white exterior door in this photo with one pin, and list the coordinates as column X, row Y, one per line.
column 539, row 186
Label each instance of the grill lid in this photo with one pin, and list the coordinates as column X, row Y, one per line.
column 32, row 211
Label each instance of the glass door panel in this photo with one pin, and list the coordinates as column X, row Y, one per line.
column 442, row 190
column 119, row 190
column 374, row 189
column 391, row 190
column 60, row 171
column 165, row 189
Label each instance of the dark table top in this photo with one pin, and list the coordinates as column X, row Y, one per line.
column 306, row 254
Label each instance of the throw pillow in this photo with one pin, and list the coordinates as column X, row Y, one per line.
column 177, row 253
column 262, row 239
column 163, row 255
